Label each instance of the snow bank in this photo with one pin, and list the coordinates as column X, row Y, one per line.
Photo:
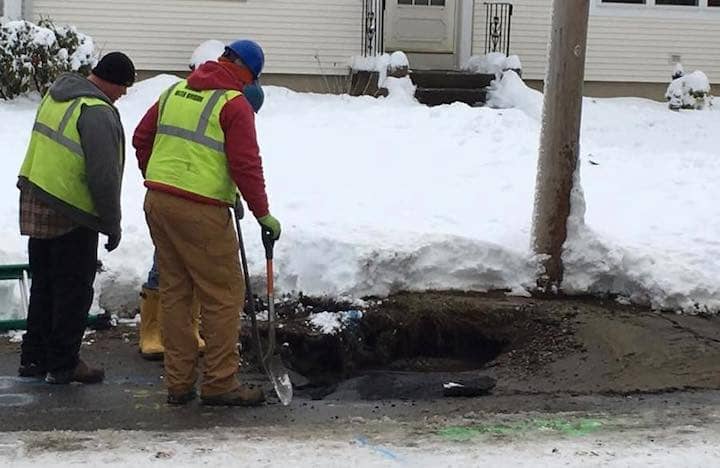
column 379, row 195
column 510, row 92
column 494, row 63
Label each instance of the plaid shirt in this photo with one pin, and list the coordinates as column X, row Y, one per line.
column 38, row 220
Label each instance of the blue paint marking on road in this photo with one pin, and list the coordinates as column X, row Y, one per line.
column 385, row 452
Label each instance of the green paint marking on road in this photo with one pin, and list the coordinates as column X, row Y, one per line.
column 574, row 428
column 580, row 427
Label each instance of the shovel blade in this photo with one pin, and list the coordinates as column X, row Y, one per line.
column 280, row 379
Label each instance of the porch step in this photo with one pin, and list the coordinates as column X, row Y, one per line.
column 438, row 96
column 450, row 79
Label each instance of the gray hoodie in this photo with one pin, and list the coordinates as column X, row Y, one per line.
column 103, row 143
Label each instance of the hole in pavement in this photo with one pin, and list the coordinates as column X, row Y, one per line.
column 409, row 334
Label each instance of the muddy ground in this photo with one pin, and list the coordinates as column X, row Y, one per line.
column 578, row 346
column 545, row 355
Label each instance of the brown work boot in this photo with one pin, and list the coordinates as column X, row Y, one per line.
column 179, row 399
column 244, row 395
column 82, row 373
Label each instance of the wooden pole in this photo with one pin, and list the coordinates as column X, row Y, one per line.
column 559, row 140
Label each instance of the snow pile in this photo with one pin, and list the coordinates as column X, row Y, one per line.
column 377, row 196
column 400, row 89
column 378, row 63
column 690, row 91
column 329, row 323
column 510, row 92
column 14, row 336
column 382, row 64
column 208, row 51
column 494, row 63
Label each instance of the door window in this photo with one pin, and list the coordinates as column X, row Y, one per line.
column 440, row 3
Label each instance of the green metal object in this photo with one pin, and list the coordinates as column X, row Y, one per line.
column 14, row 272
column 21, row 273
column 96, row 322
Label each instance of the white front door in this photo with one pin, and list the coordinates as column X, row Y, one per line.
column 420, row 25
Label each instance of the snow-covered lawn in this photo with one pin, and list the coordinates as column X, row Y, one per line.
column 381, row 194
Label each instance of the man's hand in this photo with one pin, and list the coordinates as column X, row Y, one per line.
column 270, row 223
column 113, row 241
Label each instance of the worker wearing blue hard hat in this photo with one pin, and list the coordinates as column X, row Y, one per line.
column 196, row 147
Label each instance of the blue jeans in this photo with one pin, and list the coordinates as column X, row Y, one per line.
column 153, row 279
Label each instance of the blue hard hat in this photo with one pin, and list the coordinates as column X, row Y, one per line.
column 253, row 92
column 250, row 53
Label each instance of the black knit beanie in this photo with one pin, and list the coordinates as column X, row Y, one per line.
column 117, row 68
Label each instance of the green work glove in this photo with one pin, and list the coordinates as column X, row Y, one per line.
column 270, row 223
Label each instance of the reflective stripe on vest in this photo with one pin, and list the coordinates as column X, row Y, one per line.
column 189, row 148
column 55, row 160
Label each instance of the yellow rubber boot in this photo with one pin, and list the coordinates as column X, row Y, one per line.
column 151, row 347
column 196, row 323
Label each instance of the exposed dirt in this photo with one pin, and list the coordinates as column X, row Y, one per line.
column 529, row 345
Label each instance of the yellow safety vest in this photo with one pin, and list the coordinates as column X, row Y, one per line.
column 189, row 148
column 55, row 160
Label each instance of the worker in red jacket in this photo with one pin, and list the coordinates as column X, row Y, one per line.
column 196, row 147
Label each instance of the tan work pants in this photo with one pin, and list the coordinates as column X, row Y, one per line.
column 197, row 252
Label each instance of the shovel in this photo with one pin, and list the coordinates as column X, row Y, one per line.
column 270, row 361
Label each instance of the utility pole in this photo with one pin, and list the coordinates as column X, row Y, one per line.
column 559, row 140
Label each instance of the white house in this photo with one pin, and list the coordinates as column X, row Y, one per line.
column 632, row 45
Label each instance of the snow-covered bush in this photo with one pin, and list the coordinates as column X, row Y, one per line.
column 494, row 63
column 691, row 91
column 32, row 56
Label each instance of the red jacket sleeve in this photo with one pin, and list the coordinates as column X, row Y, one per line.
column 144, row 137
column 238, row 122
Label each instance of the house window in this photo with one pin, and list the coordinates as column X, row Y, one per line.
column 440, row 3
column 655, row 6
column 695, row 3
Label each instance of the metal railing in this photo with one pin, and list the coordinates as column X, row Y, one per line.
column 498, row 19
column 373, row 27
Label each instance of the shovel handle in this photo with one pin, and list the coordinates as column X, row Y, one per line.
column 268, row 242
column 239, row 210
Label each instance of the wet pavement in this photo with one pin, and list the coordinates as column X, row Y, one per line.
column 133, row 398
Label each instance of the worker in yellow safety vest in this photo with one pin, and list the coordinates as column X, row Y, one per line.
column 69, row 192
column 197, row 147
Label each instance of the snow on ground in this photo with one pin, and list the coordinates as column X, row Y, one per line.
column 307, row 448
column 330, row 323
column 377, row 195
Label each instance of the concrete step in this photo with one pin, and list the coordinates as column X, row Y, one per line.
column 438, row 96
column 450, row 79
